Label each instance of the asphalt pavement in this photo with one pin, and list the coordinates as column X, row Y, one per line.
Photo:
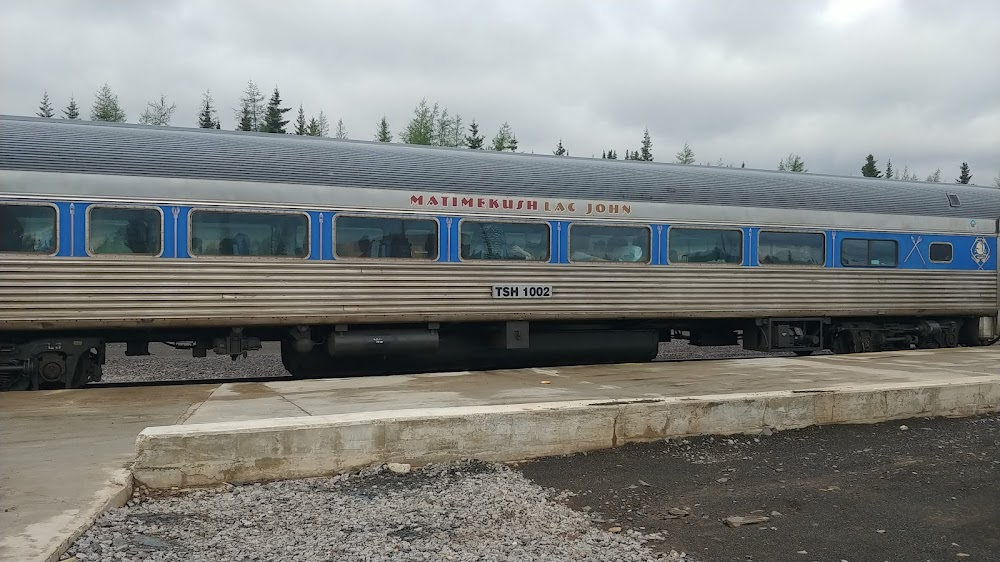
column 925, row 489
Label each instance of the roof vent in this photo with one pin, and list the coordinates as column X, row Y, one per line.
column 953, row 200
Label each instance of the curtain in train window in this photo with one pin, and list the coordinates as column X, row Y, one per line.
column 223, row 233
column 29, row 229
column 856, row 252
column 504, row 241
column 609, row 243
column 124, row 231
column 791, row 248
column 384, row 237
column 704, row 245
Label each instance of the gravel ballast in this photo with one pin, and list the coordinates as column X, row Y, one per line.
column 461, row 511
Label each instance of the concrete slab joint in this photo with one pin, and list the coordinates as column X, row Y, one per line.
column 213, row 453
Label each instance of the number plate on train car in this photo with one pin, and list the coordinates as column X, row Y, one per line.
column 522, row 291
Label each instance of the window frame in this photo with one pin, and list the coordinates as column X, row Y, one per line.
column 87, row 223
column 190, row 232
column 781, row 231
column 739, row 263
column 411, row 259
column 868, row 253
column 56, row 230
column 548, row 229
column 951, row 252
column 569, row 243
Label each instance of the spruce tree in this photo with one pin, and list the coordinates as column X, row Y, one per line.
column 207, row 117
column 474, row 141
column 341, row 132
column 512, row 143
column 888, row 169
column 420, row 129
column 792, row 163
column 964, row 175
column 322, row 125
column 300, row 122
column 71, row 111
column 273, row 122
column 935, row 177
column 646, row 153
column 613, row 154
column 503, row 138
column 996, row 180
column 560, row 151
column 382, row 133
column 313, row 129
column 45, row 108
column 604, row 154
column 686, row 155
column 251, row 113
column 106, row 107
column 869, row 170
column 457, row 129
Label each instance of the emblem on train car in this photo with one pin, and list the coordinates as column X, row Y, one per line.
column 980, row 251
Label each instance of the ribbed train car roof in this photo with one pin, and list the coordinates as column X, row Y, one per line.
column 54, row 145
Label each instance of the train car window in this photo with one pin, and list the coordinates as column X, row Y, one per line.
column 591, row 243
column 941, row 252
column 230, row 233
column 385, row 237
column 855, row 252
column 504, row 240
column 704, row 245
column 124, row 231
column 28, row 229
column 791, row 248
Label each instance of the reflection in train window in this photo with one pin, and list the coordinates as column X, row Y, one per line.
column 505, row 241
column 941, row 252
column 29, row 229
column 791, row 248
column 384, row 237
column 224, row 233
column 609, row 243
column 704, row 245
column 868, row 253
column 124, row 231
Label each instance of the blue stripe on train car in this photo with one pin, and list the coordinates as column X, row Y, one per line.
column 913, row 249
column 320, row 240
column 560, row 237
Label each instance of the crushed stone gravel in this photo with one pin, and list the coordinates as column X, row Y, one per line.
column 462, row 511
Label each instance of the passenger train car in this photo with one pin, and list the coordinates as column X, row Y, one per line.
column 370, row 257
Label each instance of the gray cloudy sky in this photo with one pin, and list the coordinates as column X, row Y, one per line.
column 914, row 81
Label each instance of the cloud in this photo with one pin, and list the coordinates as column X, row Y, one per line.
column 913, row 81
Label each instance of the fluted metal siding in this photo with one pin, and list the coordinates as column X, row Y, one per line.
column 101, row 293
column 48, row 145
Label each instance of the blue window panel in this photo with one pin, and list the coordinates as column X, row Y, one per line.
column 72, row 228
column 560, row 241
column 449, row 239
column 914, row 249
column 751, row 244
column 320, row 237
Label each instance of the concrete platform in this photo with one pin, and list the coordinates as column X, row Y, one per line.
column 60, row 450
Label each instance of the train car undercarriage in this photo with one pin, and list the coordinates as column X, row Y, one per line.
column 59, row 360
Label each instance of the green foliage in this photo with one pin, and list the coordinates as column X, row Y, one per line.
column 341, row 132
column 300, row 122
column 686, row 155
column 609, row 154
column 475, row 140
column 560, row 151
column 207, row 117
column 792, row 163
column 869, row 170
column 312, row 129
column 935, row 177
column 45, row 108
column 250, row 116
column 72, row 111
column 382, row 133
column 322, row 124
column 273, row 122
column 504, row 139
column 964, row 175
column 158, row 112
column 646, row 153
column 106, row 107
column 888, row 169
column 420, row 129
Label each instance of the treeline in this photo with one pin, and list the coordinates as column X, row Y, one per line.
column 430, row 124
